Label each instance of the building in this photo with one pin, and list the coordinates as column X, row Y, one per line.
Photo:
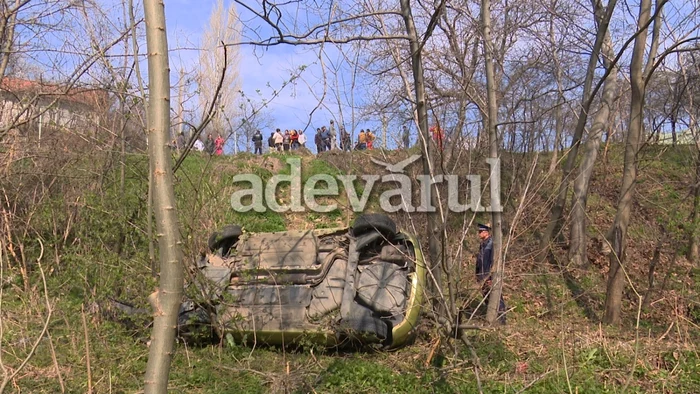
column 33, row 105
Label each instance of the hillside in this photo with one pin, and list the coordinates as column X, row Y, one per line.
column 75, row 224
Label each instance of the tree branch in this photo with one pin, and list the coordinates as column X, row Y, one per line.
column 208, row 116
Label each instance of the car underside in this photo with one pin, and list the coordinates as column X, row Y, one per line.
column 346, row 286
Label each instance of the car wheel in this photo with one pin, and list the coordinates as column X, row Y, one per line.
column 225, row 238
column 374, row 222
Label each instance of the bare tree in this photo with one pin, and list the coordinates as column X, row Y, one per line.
column 46, row 46
column 638, row 79
column 340, row 27
column 560, row 200
column 222, row 28
column 8, row 22
column 579, row 238
column 689, row 79
column 492, row 121
column 165, row 301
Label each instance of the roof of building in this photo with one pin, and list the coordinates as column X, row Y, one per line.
column 92, row 97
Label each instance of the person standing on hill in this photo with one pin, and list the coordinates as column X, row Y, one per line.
column 257, row 142
column 278, row 140
column 198, row 145
column 271, row 141
column 326, row 138
column 294, row 137
column 319, row 141
column 180, row 142
column 362, row 140
column 302, row 139
column 370, row 139
column 438, row 136
column 219, row 145
column 286, row 140
column 209, row 144
column 484, row 262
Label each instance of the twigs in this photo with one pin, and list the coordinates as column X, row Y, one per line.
column 636, row 344
column 9, row 377
column 475, row 360
column 459, row 332
column 537, row 379
column 87, row 349
column 563, row 354
column 208, row 116
column 2, row 323
column 55, row 363
column 433, row 348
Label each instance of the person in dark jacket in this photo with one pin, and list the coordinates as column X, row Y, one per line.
column 326, row 138
column 271, row 141
column 209, row 144
column 258, row 141
column 484, row 261
column 318, row 140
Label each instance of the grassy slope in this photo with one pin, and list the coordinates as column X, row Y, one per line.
column 553, row 342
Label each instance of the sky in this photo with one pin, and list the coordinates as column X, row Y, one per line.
column 186, row 21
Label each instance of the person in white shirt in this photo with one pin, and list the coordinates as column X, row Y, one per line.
column 279, row 138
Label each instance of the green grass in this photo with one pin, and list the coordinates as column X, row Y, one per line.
column 106, row 256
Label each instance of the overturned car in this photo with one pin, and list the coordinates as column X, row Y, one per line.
column 361, row 285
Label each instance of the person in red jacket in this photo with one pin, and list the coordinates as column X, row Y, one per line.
column 370, row 139
column 438, row 136
column 294, row 136
column 219, row 145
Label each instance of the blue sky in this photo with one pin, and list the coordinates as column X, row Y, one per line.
column 186, row 20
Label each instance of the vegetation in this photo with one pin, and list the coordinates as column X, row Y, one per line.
column 551, row 344
column 590, row 107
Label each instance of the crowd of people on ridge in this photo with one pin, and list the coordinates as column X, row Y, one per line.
column 325, row 139
column 212, row 146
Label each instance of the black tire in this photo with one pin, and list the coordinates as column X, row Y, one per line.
column 374, row 222
column 232, row 230
column 224, row 238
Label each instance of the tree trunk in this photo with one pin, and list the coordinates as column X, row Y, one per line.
column 137, row 71
column 492, row 111
column 558, row 129
column 618, row 233
column 434, row 226
column 385, row 127
column 559, row 122
column 673, row 132
column 165, row 301
column 7, row 31
column 579, row 237
column 694, row 231
column 558, row 208
column 650, row 274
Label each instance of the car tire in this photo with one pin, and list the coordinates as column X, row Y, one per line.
column 225, row 238
column 374, row 222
